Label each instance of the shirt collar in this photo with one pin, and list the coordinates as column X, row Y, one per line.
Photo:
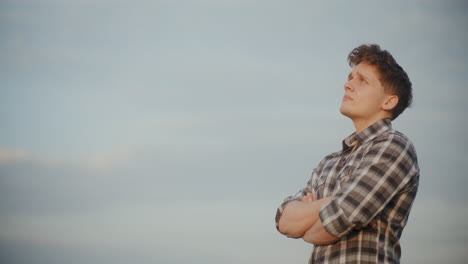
column 367, row 134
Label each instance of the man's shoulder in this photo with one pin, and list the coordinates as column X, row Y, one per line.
column 392, row 135
column 396, row 140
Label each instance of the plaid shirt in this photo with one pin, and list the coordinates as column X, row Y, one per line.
column 374, row 178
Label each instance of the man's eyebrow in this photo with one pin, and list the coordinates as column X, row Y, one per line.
column 362, row 76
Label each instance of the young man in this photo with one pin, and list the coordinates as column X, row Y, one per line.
column 357, row 202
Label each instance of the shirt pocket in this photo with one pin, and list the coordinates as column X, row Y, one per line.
column 352, row 162
column 344, row 174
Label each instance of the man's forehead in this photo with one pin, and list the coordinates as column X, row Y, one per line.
column 366, row 71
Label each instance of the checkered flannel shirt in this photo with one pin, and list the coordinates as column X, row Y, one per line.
column 374, row 178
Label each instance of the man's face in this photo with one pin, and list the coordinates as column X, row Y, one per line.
column 364, row 94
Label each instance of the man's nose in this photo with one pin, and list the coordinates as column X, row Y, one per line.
column 348, row 86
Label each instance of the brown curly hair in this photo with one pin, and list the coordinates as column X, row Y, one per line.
column 392, row 76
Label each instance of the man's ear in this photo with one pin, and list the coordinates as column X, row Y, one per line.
column 390, row 103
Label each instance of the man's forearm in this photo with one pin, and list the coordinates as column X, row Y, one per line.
column 299, row 216
column 318, row 235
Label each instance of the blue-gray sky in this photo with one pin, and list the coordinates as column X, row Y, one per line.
column 169, row 131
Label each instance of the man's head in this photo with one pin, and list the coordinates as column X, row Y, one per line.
column 392, row 77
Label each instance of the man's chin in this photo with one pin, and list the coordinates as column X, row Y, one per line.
column 344, row 112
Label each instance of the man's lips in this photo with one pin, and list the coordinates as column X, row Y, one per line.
column 347, row 97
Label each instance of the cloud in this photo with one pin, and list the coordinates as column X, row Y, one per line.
column 104, row 161
column 108, row 161
column 8, row 156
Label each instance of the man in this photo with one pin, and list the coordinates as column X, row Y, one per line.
column 357, row 202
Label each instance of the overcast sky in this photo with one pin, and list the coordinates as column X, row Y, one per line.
column 170, row 131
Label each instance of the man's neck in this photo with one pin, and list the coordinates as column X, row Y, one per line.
column 362, row 124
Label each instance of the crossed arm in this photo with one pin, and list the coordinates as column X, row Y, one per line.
column 300, row 219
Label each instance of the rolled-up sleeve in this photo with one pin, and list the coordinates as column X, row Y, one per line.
column 388, row 166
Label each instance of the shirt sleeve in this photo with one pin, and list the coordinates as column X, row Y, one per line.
column 386, row 168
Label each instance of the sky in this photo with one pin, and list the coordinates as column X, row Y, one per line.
column 170, row 131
